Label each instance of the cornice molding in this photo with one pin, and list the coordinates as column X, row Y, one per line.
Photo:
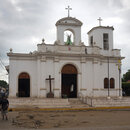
column 42, row 88
column 56, row 89
column 83, row 89
column 101, row 27
column 63, row 21
column 43, row 56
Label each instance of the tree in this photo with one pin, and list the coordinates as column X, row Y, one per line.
column 126, row 76
column 3, row 84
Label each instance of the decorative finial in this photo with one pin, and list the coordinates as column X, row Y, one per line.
column 11, row 50
column 99, row 21
column 43, row 41
column 68, row 10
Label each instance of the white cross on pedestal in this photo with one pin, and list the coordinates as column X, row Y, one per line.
column 68, row 10
column 99, row 21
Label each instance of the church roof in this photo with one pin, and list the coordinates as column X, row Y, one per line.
column 101, row 27
column 69, row 21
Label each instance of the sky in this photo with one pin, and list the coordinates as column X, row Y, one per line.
column 24, row 23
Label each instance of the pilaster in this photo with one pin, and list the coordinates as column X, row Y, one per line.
column 83, row 88
column 43, row 77
column 38, row 76
column 57, row 79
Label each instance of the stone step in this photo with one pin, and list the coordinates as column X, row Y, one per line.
column 107, row 101
column 110, row 105
column 76, row 103
column 38, row 102
column 104, row 102
column 46, row 103
column 38, row 99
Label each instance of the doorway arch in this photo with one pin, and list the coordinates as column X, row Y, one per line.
column 69, row 81
column 24, row 85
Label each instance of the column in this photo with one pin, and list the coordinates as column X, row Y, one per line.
column 38, row 76
column 83, row 88
column 57, row 75
column 96, row 75
column 43, row 77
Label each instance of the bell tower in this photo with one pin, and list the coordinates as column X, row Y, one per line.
column 69, row 24
column 72, row 25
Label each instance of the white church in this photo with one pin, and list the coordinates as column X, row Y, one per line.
column 68, row 68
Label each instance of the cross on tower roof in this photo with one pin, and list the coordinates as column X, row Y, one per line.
column 99, row 21
column 68, row 10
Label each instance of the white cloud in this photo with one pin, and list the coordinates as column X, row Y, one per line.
column 113, row 20
column 125, row 7
column 19, row 9
column 14, row 2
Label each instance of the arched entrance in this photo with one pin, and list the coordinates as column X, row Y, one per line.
column 24, row 85
column 69, row 81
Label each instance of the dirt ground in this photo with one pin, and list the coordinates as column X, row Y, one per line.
column 40, row 120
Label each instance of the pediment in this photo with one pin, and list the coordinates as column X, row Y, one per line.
column 69, row 21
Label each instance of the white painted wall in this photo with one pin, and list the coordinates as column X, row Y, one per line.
column 98, row 37
column 18, row 66
column 90, row 78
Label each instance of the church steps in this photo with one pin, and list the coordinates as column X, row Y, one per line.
column 66, row 103
column 104, row 102
column 38, row 102
column 46, row 103
column 76, row 103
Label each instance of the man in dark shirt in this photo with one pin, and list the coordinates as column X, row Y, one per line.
column 4, row 108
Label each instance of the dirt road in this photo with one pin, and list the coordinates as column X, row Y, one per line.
column 97, row 120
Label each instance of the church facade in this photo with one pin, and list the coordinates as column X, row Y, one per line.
column 68, row 68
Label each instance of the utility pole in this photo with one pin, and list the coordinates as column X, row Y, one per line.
column 108, row 80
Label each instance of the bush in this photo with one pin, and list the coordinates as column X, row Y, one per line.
column 3, row 84
column 126, row 88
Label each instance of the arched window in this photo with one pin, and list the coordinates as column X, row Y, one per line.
column 112, row 83
column 68, row 37
column 106, row 83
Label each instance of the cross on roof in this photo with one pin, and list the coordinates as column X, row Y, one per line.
column 68, row 10
column 99, row 21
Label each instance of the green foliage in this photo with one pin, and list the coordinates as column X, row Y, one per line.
column 124, row 84
column 126, row 88
column 126, row 76
column 3, row 84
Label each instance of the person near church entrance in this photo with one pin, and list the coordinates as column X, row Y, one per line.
column 4, row 108
column 72, row 88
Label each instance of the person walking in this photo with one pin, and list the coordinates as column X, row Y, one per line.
column 2, row 92
column 4, row 108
